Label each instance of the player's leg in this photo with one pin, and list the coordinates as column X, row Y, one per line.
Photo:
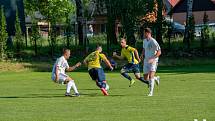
column 71, row 84
column 94, row 75
column 136, row 72
column 153, row 68
column 146, row 70
column 102, row 81
column 151, row 82
column 157, row 78
column 124, row 72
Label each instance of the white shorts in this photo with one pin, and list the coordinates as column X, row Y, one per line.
column 62, row 78
column 147, row 67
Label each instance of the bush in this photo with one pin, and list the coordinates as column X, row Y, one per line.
column 100, row 38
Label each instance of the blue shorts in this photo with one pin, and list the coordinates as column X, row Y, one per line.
column 130, row 67
column 97, row 74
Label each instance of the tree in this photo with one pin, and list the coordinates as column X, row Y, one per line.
column 130, row 14
column 159, row 22
column 204, row 32
column 3, row 34
column 80, row 17
column 54, row 11
column 11, row 7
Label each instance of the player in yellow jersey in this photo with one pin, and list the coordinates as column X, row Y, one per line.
column 131, row 55
column 95, row 70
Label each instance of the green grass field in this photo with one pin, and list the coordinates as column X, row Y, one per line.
column 185, row 94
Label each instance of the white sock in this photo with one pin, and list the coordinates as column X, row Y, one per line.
column 68, row 87
column 155, row 78
column 74, row 86
column 152, row 83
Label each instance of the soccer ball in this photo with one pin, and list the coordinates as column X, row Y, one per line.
column 107, row 87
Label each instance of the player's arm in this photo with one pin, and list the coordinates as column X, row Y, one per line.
column 87, row 59
column 134, row 50
column 136, row 55
column 74, row 67
column 157, row 52
column 56, row 74
column 85, row 62
column 142, row 54
column 121, row 57
column 107, row 62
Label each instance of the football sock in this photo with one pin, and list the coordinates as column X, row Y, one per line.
column 68, row 87
column 151, row 85
column 144, row 81
column 126, row 76
column 74, row 87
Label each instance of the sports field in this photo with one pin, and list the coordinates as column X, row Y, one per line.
column 185, row 94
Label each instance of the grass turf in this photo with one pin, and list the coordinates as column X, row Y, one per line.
column 185, row 94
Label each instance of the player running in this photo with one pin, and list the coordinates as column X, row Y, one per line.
column 151, row 53
column 95, row 70
column 131, row 55
column 58, row 73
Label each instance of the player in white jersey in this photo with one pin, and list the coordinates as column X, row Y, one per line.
column 151, row 53
column 58, row 72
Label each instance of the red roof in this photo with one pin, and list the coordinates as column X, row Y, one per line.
column 173, row 2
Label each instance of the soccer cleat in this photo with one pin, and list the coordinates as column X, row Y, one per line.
column 77, row 95
column 150, row 94
column 157, row 80
column 67, row 94
column 105, row 93
column 131, row 82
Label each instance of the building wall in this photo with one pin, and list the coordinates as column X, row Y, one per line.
column 181, row 17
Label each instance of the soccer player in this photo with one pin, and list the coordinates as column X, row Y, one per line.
column 95, row 70
column 131, row 55
column 151, row 52
column 58, row 72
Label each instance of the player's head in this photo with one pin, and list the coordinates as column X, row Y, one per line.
column 123, row 43
column 147, row 32
column 99, row 47
column 66, row 53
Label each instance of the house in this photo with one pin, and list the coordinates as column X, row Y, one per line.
column 179, row 8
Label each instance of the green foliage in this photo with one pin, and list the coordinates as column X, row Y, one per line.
column 128, row 12
column 205, row 35
column 191, row 23
column 19, row 38
column 98, row 39
column 55, row 11
column 3, row 34
column 213, row 36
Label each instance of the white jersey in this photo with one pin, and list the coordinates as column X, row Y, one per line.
column 62, row 65
column 151, row 47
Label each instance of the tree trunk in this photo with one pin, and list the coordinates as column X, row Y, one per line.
column 111, row 33
column 79, row 8
column 186, row 40
column 159, row 23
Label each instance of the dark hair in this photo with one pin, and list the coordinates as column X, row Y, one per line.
column 65, row 50
column 147, row 30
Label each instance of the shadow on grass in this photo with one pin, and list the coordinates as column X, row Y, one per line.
column 57, row 96
column 161, row 69
column 36, row 96
column 188, row 69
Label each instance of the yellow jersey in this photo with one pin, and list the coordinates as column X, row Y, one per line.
column 94, row 58
column 128, row 53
